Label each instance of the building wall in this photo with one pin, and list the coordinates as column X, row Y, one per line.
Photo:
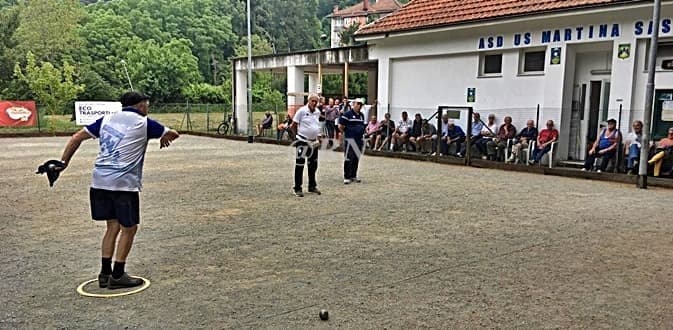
column 427, row 69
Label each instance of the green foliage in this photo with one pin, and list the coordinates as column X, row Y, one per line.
column 48, row 29
column 346, row 35
column 53, row 88
column 176, row 51
column 162, row 71
column 205, row 93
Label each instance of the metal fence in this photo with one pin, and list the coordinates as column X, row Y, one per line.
column 180, row 116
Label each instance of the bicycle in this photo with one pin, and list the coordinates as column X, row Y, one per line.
column 225, row 126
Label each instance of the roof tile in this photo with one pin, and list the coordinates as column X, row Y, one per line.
column 422, row 14
column 380, row 6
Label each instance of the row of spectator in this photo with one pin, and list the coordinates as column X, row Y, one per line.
column 492, row 141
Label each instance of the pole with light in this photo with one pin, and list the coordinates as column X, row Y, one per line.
column 250, row 137
column 127, row 74
column 649, row 96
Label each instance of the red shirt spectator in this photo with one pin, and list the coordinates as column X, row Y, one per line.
column 548, row 135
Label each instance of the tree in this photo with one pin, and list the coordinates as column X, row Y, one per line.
column 346, row 35
column 163, row 71
column 205, row 93
column 53, row 88
column 48, row 29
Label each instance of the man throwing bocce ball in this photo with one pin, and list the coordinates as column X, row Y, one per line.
column 116, row 182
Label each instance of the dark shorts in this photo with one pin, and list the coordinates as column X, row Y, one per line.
column 124, row 206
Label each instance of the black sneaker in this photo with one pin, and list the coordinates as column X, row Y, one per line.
column 356, row 180
column 314, row 191
column 125, row 281
column 298, row 193
column 103, row 280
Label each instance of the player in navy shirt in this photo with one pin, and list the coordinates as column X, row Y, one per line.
column 352, row 124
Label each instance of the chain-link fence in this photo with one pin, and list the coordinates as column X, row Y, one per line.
column 205, row 118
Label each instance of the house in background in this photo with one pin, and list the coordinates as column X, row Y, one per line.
column 361, row 13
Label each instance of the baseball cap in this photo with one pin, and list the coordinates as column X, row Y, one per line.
column 132, row 98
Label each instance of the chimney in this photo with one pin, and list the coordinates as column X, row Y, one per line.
column 335, row 9
column 365, row 5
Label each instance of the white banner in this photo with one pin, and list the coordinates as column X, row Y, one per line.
column 87, row 112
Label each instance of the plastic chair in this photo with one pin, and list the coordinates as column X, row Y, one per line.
column 550, row 155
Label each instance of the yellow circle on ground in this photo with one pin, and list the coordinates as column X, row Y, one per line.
column 80, row 289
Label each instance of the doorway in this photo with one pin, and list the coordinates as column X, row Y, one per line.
column 594, row 111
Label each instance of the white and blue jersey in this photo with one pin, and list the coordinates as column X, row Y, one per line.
column 123, row 140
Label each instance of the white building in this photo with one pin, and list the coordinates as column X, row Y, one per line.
column 361, row 13
column 580, row 61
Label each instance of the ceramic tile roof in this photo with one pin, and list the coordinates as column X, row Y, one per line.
column 380, row 6
column 424, row 14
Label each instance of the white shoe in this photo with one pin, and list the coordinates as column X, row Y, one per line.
column 347, row 181
column 434, row 154
column 599, row 171
column 584, row 169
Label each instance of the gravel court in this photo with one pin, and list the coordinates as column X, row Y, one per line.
column 417, row 244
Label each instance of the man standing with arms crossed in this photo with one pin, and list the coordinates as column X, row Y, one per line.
column 352, row 124
column 306, row 125
column 117, row 176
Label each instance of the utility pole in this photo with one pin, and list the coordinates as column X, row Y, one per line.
column 649, row 97
column 250, row 137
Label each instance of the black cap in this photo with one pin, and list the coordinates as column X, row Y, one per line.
column 132, row 98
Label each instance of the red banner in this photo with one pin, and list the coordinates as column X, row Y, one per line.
column 18, row 113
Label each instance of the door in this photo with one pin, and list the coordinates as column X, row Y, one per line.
column 662, row 113
column 595, row 96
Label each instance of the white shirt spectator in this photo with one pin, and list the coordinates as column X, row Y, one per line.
column 404, row 126
column 632, row 138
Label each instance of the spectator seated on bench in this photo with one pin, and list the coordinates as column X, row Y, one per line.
column 521, row 142
column 605, row 148
column 451, row 135
column 285, row 127
column 401, row 135
column 416, row 131
column 266, row 123
column 544, row 143
column 497, row 146
column 476, row 130
column 663, row 154
column 371, row 132
column 384, row 133
column 428, row 134
column 632, row 146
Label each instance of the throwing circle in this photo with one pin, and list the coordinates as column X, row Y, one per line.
column 80, row 289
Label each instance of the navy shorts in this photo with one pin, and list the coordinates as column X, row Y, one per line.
column 123, row 206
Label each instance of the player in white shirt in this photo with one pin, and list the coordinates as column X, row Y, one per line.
column 306, row 123
column 117, row 179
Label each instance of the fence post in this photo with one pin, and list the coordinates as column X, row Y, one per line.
column 537, row 117
column 39, row 127
column 468, row 140
column 620, row 145
column 438, row 142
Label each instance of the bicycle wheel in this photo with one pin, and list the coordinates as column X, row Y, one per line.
column 223, row 129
